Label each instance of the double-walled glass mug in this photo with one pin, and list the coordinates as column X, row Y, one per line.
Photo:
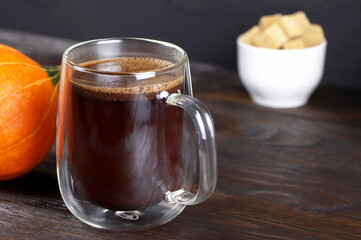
column 133, row 146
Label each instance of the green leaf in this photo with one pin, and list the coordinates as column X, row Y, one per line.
column 53, row 73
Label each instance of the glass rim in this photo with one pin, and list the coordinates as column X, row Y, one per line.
column 119, row 39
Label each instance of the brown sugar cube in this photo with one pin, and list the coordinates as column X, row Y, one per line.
column 294, row 44
column 313, row 36
column 268, row 20
column 291, row 27
column 248, row 36
column 271, row 37
column 302, row 19
column 294, row 24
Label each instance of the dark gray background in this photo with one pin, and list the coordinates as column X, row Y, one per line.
column 206, row 29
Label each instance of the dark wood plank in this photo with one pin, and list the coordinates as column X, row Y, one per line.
column 44, row 49
column 283, row 174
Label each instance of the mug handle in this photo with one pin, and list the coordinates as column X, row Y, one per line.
column 205, row 134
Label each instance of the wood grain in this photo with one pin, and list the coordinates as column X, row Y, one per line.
column 283, row 174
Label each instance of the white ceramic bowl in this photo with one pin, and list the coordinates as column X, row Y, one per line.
column 280, row 78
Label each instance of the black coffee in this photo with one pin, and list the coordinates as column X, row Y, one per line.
column 125, row 144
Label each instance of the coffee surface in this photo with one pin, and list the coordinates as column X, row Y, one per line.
column 125, row 89
column 127, row 64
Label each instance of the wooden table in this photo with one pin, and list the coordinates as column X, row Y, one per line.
column 283, row 174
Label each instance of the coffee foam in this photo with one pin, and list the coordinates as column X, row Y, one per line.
column 127, row 64
column 144, row 89
column 127, row 93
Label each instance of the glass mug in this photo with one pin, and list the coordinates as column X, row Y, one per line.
column 133, row 146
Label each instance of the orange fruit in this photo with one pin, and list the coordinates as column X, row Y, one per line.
column 28, row 108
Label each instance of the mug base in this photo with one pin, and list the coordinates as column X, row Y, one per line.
column 137, row 220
